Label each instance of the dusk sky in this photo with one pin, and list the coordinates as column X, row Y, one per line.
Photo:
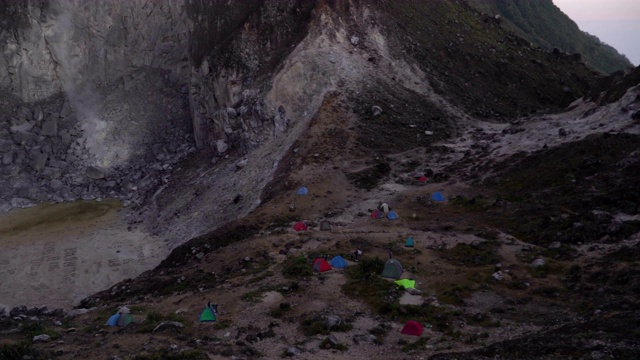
column 614, row 22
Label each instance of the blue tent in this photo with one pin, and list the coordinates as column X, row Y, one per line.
column 409, row 242
column 437, row 196
column 338, row 262
column 113, row 320
column 392, row 215
column 302, row 191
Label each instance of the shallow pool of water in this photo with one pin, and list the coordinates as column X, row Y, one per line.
column 57, row 254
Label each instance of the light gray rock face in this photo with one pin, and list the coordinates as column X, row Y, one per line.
column 70, row 42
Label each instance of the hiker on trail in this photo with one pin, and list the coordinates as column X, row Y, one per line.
column 358, row 254
column 390, row 254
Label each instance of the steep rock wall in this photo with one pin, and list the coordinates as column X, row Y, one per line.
column 60, row 44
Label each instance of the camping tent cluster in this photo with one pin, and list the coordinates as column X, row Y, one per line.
column 322, row 265
column 122, row 318
column 383, row 210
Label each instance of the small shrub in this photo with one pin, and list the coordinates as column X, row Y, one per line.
column 418, row 345
column 190, row 354
column 19, row 350
column 297, row 268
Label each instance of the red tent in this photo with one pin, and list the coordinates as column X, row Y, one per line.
column 377, row 214
column 321, row 265
column 412, row 328
column 300, row 226
column 423, row 179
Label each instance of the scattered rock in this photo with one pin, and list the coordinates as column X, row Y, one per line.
column 221, row 146
column 366, row 338
column 331, row 321
column 325, row 226
column 293, row 351
column 428, row 133
column 497, row 275
column 81, row 311
column 169, row 325
column 354, row 40
column 332, row 340
column 18, row 310
column 539, row 262
column 41, row 338
column 562, row 132
column 555, row 245
column 49, row 128
column 376, row 110
column 95, row 173
column 21, row 202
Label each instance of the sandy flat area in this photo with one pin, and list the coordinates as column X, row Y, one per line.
column 57, row 254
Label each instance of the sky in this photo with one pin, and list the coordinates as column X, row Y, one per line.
column 614, row 22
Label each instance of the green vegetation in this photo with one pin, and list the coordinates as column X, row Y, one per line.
column 327, row 344
column 370, row 177
column 476, row 254
column 417, row 345
column 35, row 328
column 316, row 324
column 189, row 354
column 297, row 268
column 154, row 318
column 542, row 23
column 18, row 351
column 570, row 199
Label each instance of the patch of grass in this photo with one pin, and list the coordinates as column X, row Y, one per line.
column 326, row 344
column 223, row 324
column 417, row 345
column 20, row 350
column 315, row 324
column 364, row 282
column 555, row 200
column 540, row 271
column 624, row 254
column 455, row 295
column 264, row 275
column 436, row 316
column 256, row 295
column 253, row 296
column 369, row 178
column 280, row 310
column 190, row 354
column 476, row 254
column 281, row 222
column 35, row 328
column 154, row 318
column 297, row 268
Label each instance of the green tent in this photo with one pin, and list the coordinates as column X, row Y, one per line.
column 392, row 269
column 124, row 320
column 207, row 315
column 406, row 283
column 409, row 242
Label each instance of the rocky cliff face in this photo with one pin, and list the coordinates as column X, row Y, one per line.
column 107, row 99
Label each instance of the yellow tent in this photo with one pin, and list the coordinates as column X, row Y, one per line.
column 406, row 283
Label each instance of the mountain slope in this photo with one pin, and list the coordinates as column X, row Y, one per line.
column 545, row 25
column 358, row 100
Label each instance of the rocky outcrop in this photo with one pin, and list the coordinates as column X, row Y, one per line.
column 65, row 44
